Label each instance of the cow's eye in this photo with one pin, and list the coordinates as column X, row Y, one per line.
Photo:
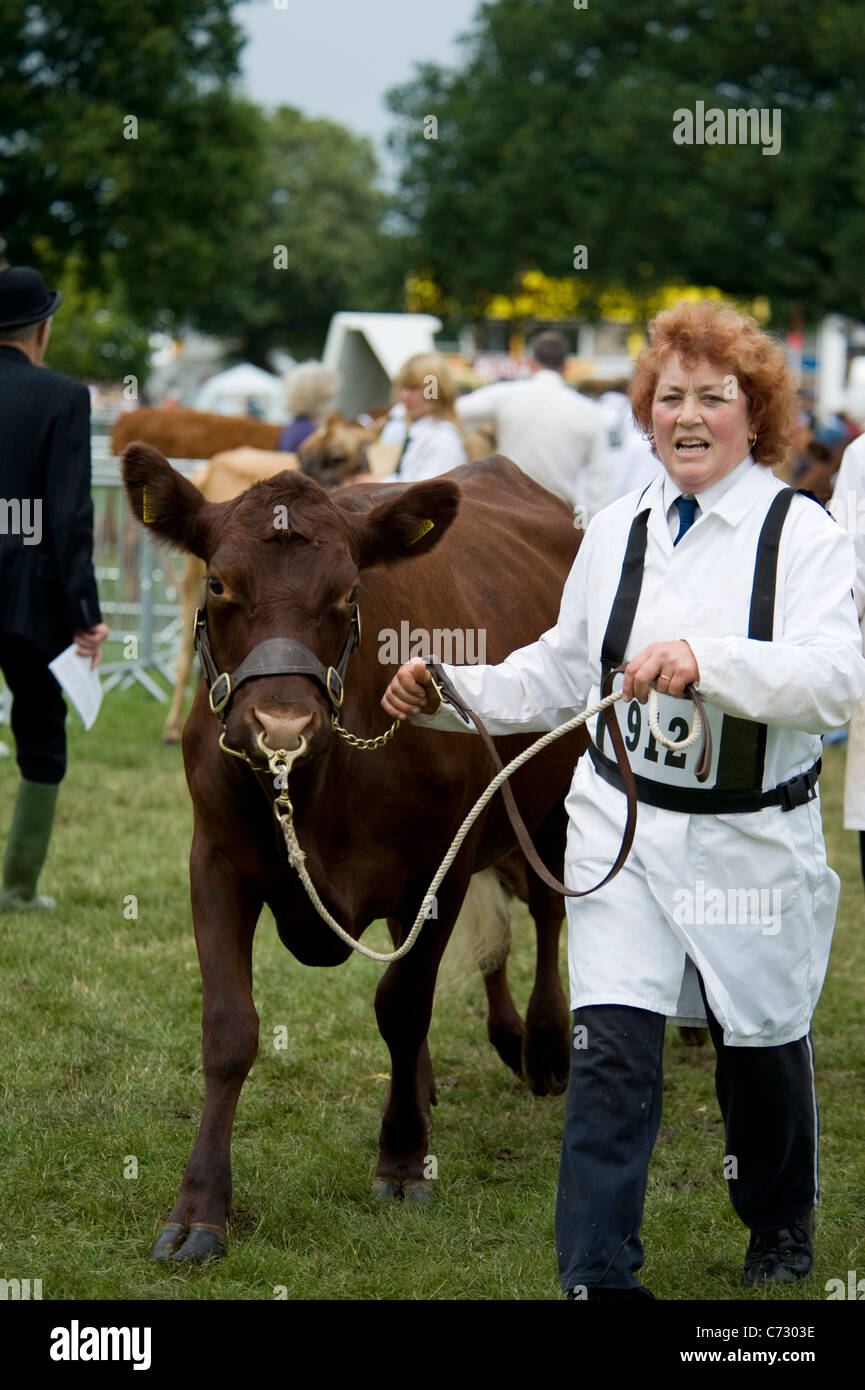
column 215, row 586
column 352, row 598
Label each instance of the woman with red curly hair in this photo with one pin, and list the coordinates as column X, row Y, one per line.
column 715, row 574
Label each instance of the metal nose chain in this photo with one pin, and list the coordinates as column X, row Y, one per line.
column 687, row 507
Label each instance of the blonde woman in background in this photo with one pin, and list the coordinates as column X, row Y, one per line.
column 434, row 443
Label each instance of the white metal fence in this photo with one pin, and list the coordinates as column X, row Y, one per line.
column 138, row 586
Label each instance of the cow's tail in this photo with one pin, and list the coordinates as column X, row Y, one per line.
column 481, row 938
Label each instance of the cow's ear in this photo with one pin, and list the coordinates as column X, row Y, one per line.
column 407, row 525
column 165, row 501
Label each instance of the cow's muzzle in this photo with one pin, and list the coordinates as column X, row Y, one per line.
column 277, row 761
column 282, row 729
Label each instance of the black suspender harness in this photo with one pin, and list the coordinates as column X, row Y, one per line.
column 742, row 752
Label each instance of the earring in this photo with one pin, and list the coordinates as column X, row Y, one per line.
column 753, row 441
column 651, row 439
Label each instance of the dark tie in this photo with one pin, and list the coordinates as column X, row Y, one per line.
column 687, row 507
column 401, row 455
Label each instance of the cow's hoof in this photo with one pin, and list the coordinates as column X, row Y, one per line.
column 387, row 1189
column 545, row 1063
column 198, row 1244
column 171, row 1236
column 509, row 1046
column 418, row 1190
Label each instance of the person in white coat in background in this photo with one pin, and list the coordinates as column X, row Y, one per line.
column 632, row 463
column 848, row 508
column 715, row 574
column 547, row 428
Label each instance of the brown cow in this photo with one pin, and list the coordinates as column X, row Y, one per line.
column 191, row 434
column 336, row 451
column 342, row 449
column 483, row 548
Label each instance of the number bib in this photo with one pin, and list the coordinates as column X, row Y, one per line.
column 650, row 759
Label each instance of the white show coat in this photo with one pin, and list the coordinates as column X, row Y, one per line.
column 848, row 508
column 433, row 446
column 550, row 431
column 636, row 941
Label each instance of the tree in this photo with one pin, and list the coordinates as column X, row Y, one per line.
column 557, row 131
column 92, row 336
column 310, row 242
column 120, row 133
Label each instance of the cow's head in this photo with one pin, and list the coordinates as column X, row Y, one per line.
column 336, row 451
column 283, row 561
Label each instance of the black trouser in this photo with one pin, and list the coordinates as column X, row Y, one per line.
column 38, row 710
column 612, row 1114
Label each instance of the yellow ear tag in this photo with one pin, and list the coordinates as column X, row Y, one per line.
column 423, row 527
column 148, row 515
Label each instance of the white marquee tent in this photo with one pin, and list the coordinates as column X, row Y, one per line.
column 367, row 350
column 230, row 393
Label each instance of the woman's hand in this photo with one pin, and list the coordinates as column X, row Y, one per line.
column 411, row 691
column 669, row 666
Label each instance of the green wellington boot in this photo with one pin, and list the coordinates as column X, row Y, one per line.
column 27, row 847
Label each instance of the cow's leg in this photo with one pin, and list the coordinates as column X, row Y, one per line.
column 225, row 917
column 505, row 1028
column 403, row 1006
column 546, row 1050
column 426, row 1077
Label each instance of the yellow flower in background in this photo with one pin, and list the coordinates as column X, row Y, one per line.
column 422, row 295
column 548, row 299
column 636, row 342
column 500, row 307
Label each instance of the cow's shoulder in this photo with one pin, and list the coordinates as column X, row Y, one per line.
column 495, row 468
column 499, row 480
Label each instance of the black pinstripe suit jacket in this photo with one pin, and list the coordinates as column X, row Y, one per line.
column 47, row 588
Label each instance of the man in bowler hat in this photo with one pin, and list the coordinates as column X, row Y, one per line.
column 47, row 586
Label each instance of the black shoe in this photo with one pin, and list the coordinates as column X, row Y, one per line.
column 781, row 1257
column 595, row 1291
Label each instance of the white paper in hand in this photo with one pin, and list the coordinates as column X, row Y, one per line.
column 80, row 683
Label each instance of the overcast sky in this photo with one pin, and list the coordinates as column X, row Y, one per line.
column 337, row 58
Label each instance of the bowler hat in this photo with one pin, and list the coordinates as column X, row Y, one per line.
column 24, row 298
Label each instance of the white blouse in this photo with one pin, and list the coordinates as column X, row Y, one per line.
column 433, row 446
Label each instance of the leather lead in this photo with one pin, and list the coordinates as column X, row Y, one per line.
column 516, row 820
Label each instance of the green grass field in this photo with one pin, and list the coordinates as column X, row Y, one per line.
column 101, row 1071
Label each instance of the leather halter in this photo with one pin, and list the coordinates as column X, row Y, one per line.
column 276, row 656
